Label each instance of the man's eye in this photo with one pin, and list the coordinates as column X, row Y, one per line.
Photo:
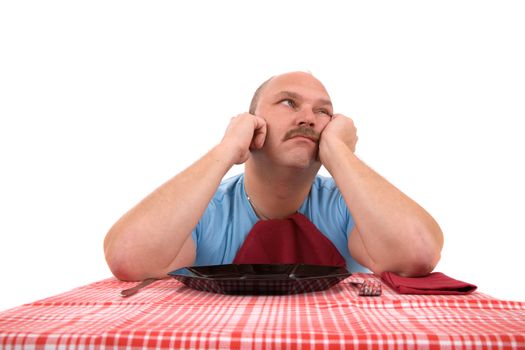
column 289, row 103
column 325, row 111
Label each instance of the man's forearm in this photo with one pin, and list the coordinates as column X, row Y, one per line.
column 146, row 240
column 398, row 234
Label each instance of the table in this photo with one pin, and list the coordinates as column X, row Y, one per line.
column 168, row 314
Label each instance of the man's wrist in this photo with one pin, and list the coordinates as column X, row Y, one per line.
column 225, row 154
column 333, row 153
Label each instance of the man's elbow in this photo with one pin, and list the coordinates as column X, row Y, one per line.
column 119, row 263
column 120, row 267
column 425, row 255
column 421, row 265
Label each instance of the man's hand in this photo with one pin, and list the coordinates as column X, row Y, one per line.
column 339, row 131
column 246, row 132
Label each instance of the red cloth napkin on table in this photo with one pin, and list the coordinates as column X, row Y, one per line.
column 293, row 240
column 434, row 283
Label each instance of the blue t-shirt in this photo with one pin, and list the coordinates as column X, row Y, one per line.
column 229, row 218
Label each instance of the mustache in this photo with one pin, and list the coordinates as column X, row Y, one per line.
column 304, row 131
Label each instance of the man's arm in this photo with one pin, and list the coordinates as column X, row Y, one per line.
column 392, row 232
column 154, row 237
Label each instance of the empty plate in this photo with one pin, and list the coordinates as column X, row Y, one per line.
column 261, row 278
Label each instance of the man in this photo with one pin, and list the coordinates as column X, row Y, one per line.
column 290, row 132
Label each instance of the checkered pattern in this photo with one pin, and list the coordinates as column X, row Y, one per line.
column 168, row 314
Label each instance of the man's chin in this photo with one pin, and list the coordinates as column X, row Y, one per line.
column 303, row 160
column 300, row 158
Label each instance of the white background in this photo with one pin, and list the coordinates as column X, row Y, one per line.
column 102, row 101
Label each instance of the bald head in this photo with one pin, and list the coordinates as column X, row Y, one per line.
column 255, row 98
column 303, row 76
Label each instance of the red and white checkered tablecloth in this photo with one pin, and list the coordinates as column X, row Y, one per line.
column 168, row 314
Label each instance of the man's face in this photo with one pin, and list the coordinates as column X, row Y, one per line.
column 296, row 108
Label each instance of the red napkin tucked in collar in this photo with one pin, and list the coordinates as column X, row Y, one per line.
column 434, row 283
column 293, row 240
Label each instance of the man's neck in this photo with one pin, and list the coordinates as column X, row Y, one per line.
column 277, row 192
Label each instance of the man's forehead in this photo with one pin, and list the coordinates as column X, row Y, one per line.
column 297, row 82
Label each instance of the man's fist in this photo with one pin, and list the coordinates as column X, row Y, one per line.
column 340, row 130
column 245, row 132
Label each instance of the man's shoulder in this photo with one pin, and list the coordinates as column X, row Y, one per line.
column 230, row 186
column 324, row 183
column 324, row 192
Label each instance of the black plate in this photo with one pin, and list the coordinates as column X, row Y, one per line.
column 261, row 278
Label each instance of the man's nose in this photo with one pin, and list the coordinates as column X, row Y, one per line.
column 306, row 117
